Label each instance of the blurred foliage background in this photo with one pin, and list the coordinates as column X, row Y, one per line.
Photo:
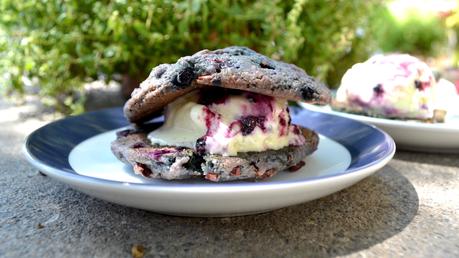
column 452, row 22
column 60, row 45
column 414, row 33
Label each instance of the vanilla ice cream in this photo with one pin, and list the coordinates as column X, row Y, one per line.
column 395, row 85
column 227, row 122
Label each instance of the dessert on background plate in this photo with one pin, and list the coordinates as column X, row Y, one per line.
column 226, row 118
column 395, row 86
column 447, row 96
column 399, row 94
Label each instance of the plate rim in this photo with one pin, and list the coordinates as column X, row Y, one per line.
column 439, row 127
column 78, row 179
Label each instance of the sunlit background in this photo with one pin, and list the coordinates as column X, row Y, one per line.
column 59, row 49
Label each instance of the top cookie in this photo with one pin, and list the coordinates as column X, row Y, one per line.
column 232, row 67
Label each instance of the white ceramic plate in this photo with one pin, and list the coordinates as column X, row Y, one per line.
column 409, row 135
column 76, row 151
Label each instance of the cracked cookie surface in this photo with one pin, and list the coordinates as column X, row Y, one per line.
column 231, row 67
column 166, row 162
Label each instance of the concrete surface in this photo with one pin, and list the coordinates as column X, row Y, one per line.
column 409, row 208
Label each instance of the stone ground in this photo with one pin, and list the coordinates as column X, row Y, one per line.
column 409, row 208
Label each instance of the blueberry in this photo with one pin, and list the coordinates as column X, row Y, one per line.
column 195, row 163
column 282, row 120
column 201, row 145
column 418, row 85
column 184, row 77
column 125, row 133
column 159, row 71
column 378, row 90
column 218, row 67
column 296, row 130
column 265, row 65
column 217, row 82
column 296, row 167
column 139, row 145
column 248, row 124
column 307, row 93
column 143, row 169
column 251, row 98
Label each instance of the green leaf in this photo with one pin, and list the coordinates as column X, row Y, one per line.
column 65, row 43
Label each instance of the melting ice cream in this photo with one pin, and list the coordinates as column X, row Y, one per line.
column 227, row 122
column 396, row 85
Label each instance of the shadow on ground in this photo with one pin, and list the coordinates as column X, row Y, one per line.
column 51, row 219
column 351, row 220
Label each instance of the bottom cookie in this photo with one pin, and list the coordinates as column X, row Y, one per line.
column 169, row 162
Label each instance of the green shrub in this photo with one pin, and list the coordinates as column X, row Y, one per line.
column 65, row 43
column 414, row 33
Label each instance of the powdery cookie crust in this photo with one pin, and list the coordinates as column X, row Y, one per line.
column 231, row 67
column 166, row 162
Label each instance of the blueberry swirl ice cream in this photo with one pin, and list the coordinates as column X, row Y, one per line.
column 226, row 118
column 228, row 122
column 393, row 86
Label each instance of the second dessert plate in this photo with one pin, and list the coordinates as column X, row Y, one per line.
column 409, row 135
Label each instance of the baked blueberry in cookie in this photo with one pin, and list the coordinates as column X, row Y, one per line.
column 226, row 118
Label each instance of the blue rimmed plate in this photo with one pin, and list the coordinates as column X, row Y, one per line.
column 409, row 135
column 76, row 151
